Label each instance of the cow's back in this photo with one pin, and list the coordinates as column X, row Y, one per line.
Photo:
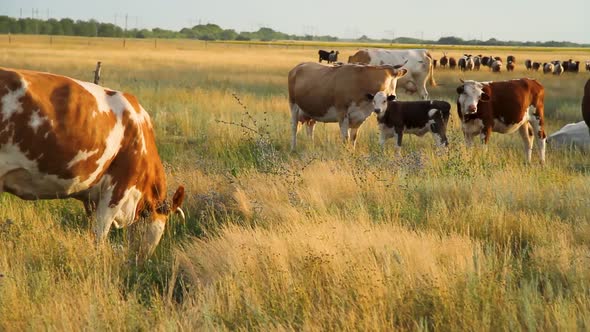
column 522, row 92
column 315, row 87
column 59, row 136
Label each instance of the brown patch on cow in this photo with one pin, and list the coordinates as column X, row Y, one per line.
column 110, row 92
column 586, row 104
column 361, row 56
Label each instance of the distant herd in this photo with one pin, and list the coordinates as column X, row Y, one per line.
column 495, row 64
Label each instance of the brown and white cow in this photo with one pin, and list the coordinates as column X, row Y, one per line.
column 503, row 107
column 586, row 104
column 64, row 138
column 418, row 62
column 336, row 94
column 412, row 117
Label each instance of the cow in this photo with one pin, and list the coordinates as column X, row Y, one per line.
column 418, row 63
column 434, row 62
column 333, row 57
column 528, row 64
column 511, row 58
column 497, row 66
column 444, row 60
column 574, row 67
column 558, row 69
column 536, row 66
column 547, row 68
column 503, row 107
column 452, row 63
column 586, row 103
column 477, row 62
column 413, row 117
column 587, row 65
column 336, row 94
column 64, row 138
column 462, row 63
column 324, row 55
column 487, row 61
column 510, row 66
column 571, row 135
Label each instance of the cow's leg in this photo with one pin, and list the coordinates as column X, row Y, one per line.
column 398, row 143
column 353, row 131
column 309, row 126
column 294, row 124
column 536, row 120
column 344, row 125
column 526, row 133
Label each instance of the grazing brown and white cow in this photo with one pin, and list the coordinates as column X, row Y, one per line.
column 413, row 117
column 586, row 104
column 503, row 107
column 336, row 94
column 418, row 63
column 64, row 138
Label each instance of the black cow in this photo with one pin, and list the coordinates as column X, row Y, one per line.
column 511, row 58
column 536, row 66
column 528, row 64
column 444, row 60
column 413, row 117
column 573, row 67
column 333, row 57
column 452, row 63
column 325, row 55
column 587, row 65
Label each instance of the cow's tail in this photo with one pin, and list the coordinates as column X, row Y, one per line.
column 430, row 70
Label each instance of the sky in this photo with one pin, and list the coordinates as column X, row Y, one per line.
column 520, row 20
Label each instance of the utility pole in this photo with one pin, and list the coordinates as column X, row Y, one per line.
column 125, row 35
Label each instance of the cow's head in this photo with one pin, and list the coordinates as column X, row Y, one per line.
column 380, row 101
column 148, row 231
column 470, row 94
column 438, row 125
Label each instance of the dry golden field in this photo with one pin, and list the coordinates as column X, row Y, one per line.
column 324, row 238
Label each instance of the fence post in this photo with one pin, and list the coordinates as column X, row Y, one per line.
column 97, row 73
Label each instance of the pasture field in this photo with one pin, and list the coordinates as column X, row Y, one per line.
column 324, row 238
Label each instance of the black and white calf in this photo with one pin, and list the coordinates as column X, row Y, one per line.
column 413, row 117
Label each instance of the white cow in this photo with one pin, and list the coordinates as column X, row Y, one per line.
column 418, row 63
column 572, row 134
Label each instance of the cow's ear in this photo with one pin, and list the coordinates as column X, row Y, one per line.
column 460, row 89
column 370, row 96
column 391, row 98
column 485, row 97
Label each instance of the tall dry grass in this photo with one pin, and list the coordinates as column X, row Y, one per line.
column 321, row 239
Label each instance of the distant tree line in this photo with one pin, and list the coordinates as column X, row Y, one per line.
column 93, row 28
